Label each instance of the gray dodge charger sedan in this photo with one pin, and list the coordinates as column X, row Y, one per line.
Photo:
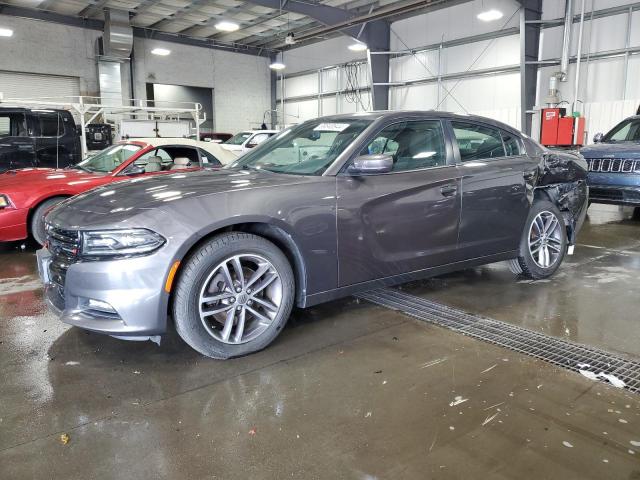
column 324, row 209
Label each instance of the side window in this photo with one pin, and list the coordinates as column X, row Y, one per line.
column 413, row 145
column 208, row 159
column 477, row 142
column 12, row 125
column 51, row 125
column 512, row 144
column 257, row 139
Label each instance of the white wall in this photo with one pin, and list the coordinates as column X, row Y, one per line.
column 241, row 83
column 495, row 95
column 322, row 54
column 605, row 98
column 51, row 49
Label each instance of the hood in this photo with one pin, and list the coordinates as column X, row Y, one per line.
column 612, row 150
column 27, row 177
column 123, row 199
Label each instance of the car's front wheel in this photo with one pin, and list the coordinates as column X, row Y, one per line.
column 543, row 244
column 234, row 295
column 37, row 226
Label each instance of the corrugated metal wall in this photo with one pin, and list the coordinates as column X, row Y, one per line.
column 473, row 73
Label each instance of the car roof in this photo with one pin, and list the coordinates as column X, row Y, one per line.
column 399, row 114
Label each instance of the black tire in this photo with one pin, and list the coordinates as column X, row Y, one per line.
column 37, row 219
column 196, row 271
column 526, row 264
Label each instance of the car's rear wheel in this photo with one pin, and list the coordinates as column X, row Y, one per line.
column 543, row 244
column 37, row 219
column 234, row 295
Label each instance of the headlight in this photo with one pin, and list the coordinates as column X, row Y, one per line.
column 4, row 201
column 114, row 243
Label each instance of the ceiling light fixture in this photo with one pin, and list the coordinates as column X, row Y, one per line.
column 490, row 15
column 278, row 62
column 358, row 47
column 277, row 66
column 163, row 52
column 226, row 26
column 6, row 32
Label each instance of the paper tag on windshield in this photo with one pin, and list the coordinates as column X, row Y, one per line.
column 332, row 127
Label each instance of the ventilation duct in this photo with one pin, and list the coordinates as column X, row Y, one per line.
column 117, row 41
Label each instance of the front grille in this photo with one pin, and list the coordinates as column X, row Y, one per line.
column 64, row 246
column 614, row 165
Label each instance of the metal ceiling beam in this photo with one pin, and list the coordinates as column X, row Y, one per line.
column 95, row 7
column 324, row 14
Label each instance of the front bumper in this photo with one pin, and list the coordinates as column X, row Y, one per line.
column 615, row 195
column 133, row 287
column 13, row 224
column 614, row 188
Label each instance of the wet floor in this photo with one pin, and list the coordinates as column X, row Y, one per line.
column 349, row 390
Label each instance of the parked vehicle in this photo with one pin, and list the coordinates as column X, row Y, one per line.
column 215, row 137
column 37, row 138
column 331, row 207
column 242, row 142
column 26, row 194
column 614, row 164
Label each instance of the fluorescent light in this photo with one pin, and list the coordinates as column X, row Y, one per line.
column 225, row 26
column 161, row 51
column 490, row 15
column 277, row 66
column 6, row 32
column 358, row 47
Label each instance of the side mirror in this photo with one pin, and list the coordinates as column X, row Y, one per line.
column 597, row 138
column 368, row 164
column 134, row 170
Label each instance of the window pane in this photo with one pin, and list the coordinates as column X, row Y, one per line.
column 413, row 145
column 5, row 126
column 13, row 125
column 511, row 144
column 477, row 142
column 50, row 126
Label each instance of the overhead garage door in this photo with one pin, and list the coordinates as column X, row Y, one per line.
column 32, row 85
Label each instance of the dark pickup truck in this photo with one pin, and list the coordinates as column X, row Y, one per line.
column 37, row 138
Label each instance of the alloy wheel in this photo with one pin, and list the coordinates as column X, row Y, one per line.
column 545, row 239
column 240, row 298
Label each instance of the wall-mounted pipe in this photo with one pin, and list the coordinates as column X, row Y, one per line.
column 574, row 106
column 566, row 41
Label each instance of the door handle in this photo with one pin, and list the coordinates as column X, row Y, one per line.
column 448, row 190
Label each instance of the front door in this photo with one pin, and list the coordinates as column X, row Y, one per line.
column 405, row 220
column 492, row 164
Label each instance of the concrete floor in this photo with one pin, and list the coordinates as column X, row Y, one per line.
column 349, row 390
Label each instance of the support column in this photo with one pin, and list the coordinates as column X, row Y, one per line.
column 529, row 47
column 377, row 38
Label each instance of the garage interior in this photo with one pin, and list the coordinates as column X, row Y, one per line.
column 472, row 374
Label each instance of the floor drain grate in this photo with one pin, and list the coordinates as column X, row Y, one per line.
column 589, row 361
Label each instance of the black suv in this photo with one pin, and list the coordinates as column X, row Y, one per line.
column 37, row 138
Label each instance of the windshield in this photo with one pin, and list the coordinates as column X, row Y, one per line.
column 108, row 159
column 239, row 138
column 626, row 131
column 306, row 149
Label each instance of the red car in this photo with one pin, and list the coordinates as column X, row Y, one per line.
column 25, row 195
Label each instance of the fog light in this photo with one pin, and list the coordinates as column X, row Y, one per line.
column 100, row 306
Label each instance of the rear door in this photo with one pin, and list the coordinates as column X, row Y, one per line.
column 492, row 164
column 405, row 220
column 52, row 148
column 17, row 148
